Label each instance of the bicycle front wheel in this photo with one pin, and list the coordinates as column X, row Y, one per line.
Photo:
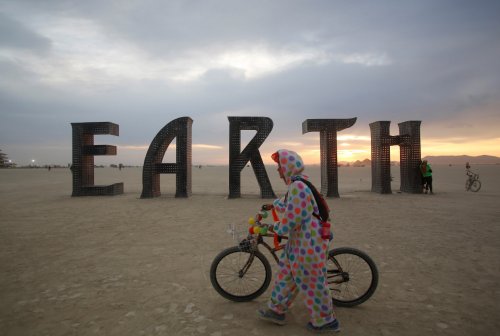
column 475, row 186
column 240, row 275
column 352, row 276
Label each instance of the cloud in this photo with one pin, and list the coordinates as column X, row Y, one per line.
column 16, row 35
column 206, row 146
column 367, row 59
column 352, row 137
column 142, row 64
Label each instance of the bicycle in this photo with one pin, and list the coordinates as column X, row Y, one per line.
column 472, row 183
column 242, row 273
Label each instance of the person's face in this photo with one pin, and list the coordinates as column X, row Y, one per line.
column 280, row 171
column 275, row 157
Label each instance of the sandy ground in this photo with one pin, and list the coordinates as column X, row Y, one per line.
column 126, row 266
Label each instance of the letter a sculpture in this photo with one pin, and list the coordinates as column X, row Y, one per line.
column 179, row 128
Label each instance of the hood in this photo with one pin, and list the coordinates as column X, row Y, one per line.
column 291, row 164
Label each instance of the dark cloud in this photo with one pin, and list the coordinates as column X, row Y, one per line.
column 13, row 71
column 440, row 62
column 14, row 34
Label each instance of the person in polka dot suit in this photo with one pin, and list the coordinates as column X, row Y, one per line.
column 302, row 265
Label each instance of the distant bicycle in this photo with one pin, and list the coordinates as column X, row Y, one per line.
column 472, row 183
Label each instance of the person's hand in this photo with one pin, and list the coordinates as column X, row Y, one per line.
column 267, row 207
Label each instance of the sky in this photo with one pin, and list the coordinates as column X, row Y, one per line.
column 143, row 63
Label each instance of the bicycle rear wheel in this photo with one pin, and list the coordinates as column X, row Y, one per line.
column 240, row 275
column 467, row 185
column 475, row 186
column 352, row 276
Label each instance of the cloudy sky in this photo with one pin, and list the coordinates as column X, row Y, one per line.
column 143, row 63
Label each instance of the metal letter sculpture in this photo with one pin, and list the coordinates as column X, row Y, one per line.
column 409, row 153
column 84, row 151
column 238, row 160
column 409, row 142
column 328, row 129
column 179, row 128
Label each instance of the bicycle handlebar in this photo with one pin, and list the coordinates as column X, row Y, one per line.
column 267, row 207
column 264, row 229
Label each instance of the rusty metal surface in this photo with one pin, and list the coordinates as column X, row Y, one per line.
column 181, row 130
column 84, row 151
column 409, row 142
column 238, row 159
column 328, row 129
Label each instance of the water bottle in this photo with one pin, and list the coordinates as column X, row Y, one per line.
column 325, row 230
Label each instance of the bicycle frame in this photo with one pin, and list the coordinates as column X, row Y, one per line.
column 247, row 244
column 472, row 176
column 259, row 240
column 252, row 242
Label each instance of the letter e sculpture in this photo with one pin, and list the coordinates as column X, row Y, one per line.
column 84, row 151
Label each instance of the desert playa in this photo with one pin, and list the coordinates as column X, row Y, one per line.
column 128, row 266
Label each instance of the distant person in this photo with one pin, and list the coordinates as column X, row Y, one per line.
column 426, row 171
column 467, row 166
column 420, row 176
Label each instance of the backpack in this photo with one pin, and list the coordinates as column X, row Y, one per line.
column 323, row 209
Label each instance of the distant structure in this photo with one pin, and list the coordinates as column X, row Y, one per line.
column 181, row 130
column 238, row 159
column 3, row 160
column 409, row 143
column 328, row 129
column 84, row 151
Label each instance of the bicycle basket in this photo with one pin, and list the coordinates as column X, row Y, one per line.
column 245, row 241
column 238, row 233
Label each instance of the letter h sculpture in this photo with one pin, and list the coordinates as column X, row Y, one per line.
column 409, row 142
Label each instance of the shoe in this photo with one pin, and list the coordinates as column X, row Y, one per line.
column 425, row 192
column 331, row 327
column 271, row 316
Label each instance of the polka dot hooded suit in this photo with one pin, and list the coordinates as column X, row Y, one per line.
column 302, row 265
